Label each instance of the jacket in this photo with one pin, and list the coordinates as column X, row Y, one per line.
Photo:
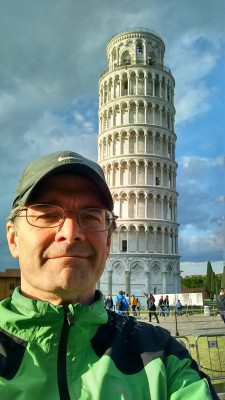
column 82, row 352
column 220, row 301
column 151, row 304
column 124, row 304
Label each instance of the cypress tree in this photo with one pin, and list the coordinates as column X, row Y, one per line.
column 223, row 278
column 217, row 286
column 209, row 278
column 213, row 283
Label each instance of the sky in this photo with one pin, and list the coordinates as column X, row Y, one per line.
column 52, row 53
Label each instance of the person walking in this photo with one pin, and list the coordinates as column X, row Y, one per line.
column 152, row 308
column 109, row 302
column 179, row 307
column 133, row 303
column 138, row 307
column 121, row 304
column 167, row 305
column 57, row 339
column 220, row 301
column 161, row 306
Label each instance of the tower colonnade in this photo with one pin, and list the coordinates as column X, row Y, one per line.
column 137, row 83
column 137, row 112
column 136, row 150
column 136, row 141
column 135, row 172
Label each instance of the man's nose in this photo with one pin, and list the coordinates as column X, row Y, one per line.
column 70, row 229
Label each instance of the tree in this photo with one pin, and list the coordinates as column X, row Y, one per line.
column 195, row 281
column 223, row 278
column 217, row 286
column 209, row 277
column 213, row 283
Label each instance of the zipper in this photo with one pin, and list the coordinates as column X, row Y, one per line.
column 62, row 355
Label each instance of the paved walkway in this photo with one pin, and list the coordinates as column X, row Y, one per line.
column 189, row 325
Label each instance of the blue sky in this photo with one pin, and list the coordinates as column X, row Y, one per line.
column 52, row 54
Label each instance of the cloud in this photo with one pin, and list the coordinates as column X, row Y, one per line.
column 201, row 208
column 52, row 56
column 194, row 58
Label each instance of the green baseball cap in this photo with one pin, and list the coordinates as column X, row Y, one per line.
column 55, row 163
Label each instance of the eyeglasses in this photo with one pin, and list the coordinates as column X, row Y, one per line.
column 49, row 216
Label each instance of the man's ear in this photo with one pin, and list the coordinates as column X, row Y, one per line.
column 12, row 239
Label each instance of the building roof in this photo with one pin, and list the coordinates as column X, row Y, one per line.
column 10, row 273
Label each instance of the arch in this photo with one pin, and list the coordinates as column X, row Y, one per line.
column 133, row 83
column 137, row 267
column 141, row 206
column 141, row 173
column 123, row 205
column 133, row 113
column 118, row 267
column 141, row 83
column 124, row 114
column 132, row 206
column 125, row 58
column 124, row 173
column 133, row 172
column 132, row 142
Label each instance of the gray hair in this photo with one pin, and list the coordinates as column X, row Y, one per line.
column 13, row 213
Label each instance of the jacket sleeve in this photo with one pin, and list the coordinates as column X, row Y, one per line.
column 185, row 380
column 126, row 305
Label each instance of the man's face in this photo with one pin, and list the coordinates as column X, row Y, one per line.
column 61, row 264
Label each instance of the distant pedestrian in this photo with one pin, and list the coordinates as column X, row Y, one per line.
column 167, row 305
column 152, row 308
column 121, row 304
column 127, row 297
column 179, row 307
column 138, row 307
column 133, row 303
column 109, row 302
column 211, row 296
column 161, row 306
column 220, row 301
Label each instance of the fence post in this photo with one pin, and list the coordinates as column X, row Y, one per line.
column 175, row 314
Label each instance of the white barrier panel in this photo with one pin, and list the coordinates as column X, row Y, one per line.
column 186, row 299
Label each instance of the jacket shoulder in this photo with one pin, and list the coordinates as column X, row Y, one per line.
column 130, row 344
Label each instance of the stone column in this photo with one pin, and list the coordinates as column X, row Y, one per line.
column 147, row 282
column 164, row 273
column 177, row 282
column 110, row 282
column 127, row 282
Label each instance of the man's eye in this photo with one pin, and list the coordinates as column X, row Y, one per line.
column 90, row 217
column 50, row 215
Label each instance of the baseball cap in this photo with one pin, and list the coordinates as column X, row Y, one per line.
column 55, row 163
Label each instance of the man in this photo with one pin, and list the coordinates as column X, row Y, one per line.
column 133, row 303
column 179, row 307
column 109, row 302
column 57, row 340
column 220, row 301
column 121, row 304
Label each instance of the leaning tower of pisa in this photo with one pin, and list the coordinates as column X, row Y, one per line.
column 136, row 149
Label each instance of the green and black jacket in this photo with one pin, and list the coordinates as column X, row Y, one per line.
column 88, row 353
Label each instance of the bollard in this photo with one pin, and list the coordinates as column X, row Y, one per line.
column 207, row 311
